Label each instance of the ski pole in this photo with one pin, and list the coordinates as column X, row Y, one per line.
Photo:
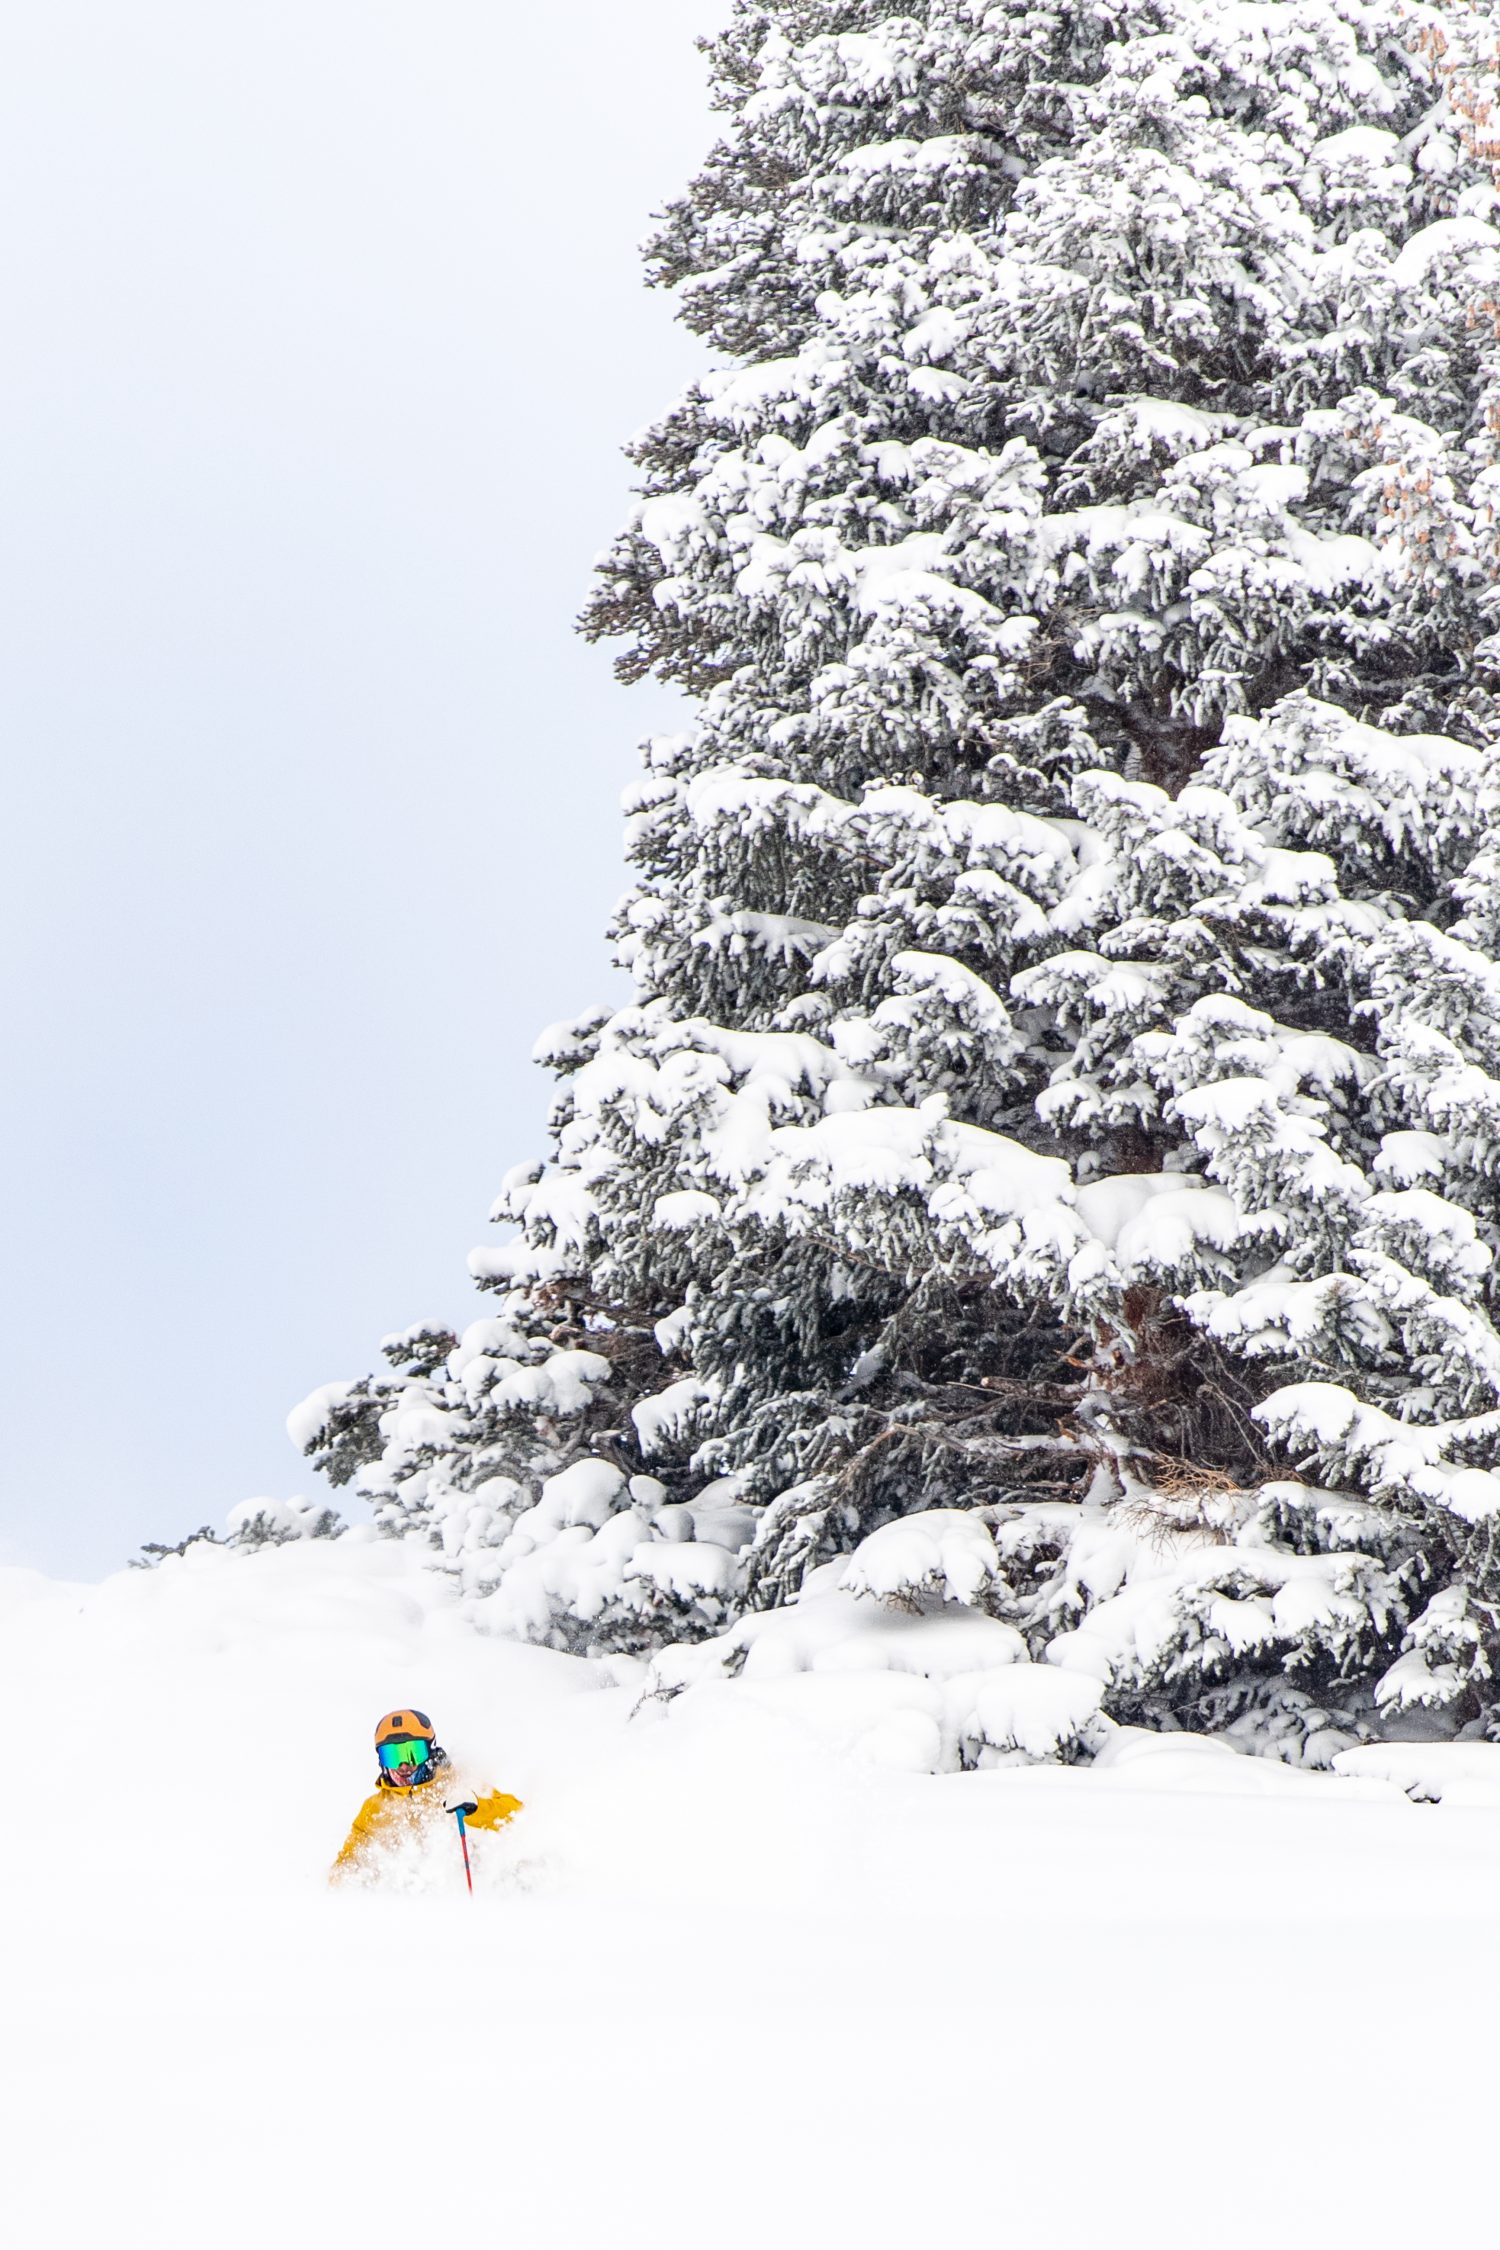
column 463, row 1837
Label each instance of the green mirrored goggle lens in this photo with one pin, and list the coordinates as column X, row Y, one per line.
column 393, row 1754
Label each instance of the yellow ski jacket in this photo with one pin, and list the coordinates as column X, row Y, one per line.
column 394, row 1815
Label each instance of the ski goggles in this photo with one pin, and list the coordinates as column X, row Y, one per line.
column 395, row 1755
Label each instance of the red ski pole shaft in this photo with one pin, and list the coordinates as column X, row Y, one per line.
column 463, row 1837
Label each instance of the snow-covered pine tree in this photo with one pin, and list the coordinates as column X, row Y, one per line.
column 1063, row 1083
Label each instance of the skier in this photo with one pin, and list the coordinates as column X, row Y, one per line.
column 418, row 1791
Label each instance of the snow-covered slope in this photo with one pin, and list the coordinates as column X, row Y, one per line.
column 723, row 1983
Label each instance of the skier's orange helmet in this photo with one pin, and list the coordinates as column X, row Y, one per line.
column 404, row 1726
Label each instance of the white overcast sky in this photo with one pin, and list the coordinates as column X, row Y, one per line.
column 324, row 327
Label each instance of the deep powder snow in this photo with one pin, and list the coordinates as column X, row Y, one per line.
column 724, row 1982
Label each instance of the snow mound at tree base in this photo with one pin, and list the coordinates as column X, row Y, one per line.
column 1448, row 1773
column 904, row 1654
column 872, row 1658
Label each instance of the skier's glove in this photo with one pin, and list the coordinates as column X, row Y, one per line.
column 468, row 1806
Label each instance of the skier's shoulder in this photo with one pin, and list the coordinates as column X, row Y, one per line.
column 482, row 1805
column 492, row 1807
column 374, row 1811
